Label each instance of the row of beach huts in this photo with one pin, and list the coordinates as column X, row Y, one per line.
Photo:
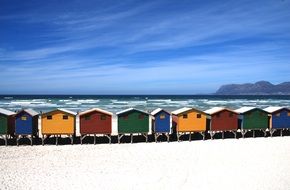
column 97, row 122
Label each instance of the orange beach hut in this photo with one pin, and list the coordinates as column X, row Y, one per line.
column 189, row 120
column 57, row 123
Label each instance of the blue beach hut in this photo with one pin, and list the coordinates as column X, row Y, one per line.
column 26, row 124
column 161, row 123
column 279, row 119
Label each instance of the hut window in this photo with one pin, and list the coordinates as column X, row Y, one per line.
column 198, row 115
column 125, row 117
column 217, row 115
column 278, row 114
column 65, row 117
column 184, row 116
column 103, row 117
column 141, row 116
column 24, row 118
column 87, row 117
column 231, row 114
column 288, row 114
column 49, row 117
column 261, row 114
column 162, row 116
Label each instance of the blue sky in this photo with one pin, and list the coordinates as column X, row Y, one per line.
column 141, row 47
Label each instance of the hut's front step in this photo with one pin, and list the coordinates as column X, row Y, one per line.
column 82, row 137
column 161, row 134
column 44, row 137
column 30, row 137
column 179, row 134
column 132, row 136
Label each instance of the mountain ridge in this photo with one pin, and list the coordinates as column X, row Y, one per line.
column 258, row 88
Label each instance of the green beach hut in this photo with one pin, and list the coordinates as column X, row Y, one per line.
column 7, row 124
column 133, row 121
column 252, row 119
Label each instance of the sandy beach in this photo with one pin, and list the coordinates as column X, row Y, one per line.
column 252, row 163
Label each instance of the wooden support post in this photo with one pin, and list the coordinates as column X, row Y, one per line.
column 56, row 140
column 167, row 135
column 118, row 139
column 223, row 135
column 146, row 136
column 110, row 139
column 189, row 136
column 265, row 133
column 203, row 135
column 178, row 136
column 254, row 133
column 155, row 137
column 31, row 140
column 94, row 139
column 131, row 138
column 71, row 139
column 17, row 143
column 211, row 135
column 42, row 140
column 6, row 143
column 281, row 132
column 271, row 132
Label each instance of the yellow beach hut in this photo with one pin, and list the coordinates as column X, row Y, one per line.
column 188, row 121
column 57, row 123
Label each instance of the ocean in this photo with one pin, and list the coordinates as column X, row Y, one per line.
column 115, row 103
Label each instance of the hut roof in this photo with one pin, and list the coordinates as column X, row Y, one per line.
column 185, row 109
column 181, row 110
column 97, row 110
column 131, row 109
column 31, row 112
column 217, row 109
column 272, row 109
column 245, row 109
column 62, row 110
column 154, row 112
column 6, row 112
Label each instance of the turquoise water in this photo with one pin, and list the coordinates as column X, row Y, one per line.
column 115, row 103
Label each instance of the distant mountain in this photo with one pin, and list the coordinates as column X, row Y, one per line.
column 258, row 88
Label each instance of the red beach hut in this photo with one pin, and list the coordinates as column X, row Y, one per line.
column 96, row 122
column 222, row 120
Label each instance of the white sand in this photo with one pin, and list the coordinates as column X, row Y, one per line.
column 260, row 163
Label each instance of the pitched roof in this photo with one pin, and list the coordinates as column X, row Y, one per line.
column 186, row 109
column 130, row 109
column 97, row 110
column 272, row 109
column 217, row 109
column 181, row 110
column 31, row 112
column 154, row 112
column 245, row 109
column 6, row 112
column 62, row 110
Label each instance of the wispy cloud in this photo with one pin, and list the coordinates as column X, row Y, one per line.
column 176, row 45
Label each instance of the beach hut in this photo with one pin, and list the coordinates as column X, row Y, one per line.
column 26, row 124
column 222, row 120
column 161, row 123
column 7, row 124
column 279, row 119
column 252, row 119
column 133, row 121
column 96, row 122
column 57, row 123
column 188, row 121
